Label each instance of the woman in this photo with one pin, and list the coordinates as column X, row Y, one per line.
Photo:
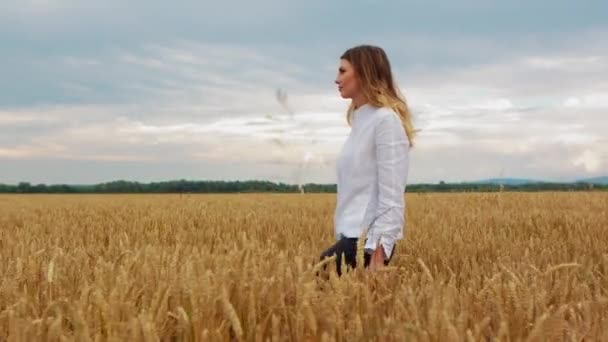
column 372, row 167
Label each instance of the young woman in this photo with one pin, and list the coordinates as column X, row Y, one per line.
column 372, row 167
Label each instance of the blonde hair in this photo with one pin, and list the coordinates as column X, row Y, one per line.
column 373, row 70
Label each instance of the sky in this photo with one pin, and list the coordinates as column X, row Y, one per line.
column 154, row 91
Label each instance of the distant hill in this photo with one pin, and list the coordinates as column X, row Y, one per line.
column 596, row 180
column 524, row 181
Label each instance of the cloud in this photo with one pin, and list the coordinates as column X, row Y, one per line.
column 563, row 63
column 590, row 160
column 7, row 119
column 513, row 116
column 594, row 100
column 285, row 139
column 195, row 84
column 175, row 101
column 201, row 110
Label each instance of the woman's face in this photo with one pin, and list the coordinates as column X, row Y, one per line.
column 348, row 84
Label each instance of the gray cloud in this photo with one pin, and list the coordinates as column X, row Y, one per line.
column 140, row 86
column 272, row 20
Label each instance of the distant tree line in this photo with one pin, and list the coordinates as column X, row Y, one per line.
column 185, row 186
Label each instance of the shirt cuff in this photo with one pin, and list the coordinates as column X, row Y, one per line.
column 386, row 243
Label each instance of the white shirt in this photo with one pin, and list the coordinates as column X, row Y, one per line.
column 372, row 170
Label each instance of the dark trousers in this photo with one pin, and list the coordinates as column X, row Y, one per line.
column 347, row 247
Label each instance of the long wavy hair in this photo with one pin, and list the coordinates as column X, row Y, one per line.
column 375, row 76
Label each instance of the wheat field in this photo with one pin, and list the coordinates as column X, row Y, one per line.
column 472, row 267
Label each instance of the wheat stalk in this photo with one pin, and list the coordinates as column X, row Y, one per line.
column 231, row 315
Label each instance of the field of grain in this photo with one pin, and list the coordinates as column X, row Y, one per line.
column 497, row 266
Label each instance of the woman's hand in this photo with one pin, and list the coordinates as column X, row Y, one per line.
column 377, row 259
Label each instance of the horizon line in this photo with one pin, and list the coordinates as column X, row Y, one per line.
column 485, row 180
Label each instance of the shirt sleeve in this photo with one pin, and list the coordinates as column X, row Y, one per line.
column 392, row 157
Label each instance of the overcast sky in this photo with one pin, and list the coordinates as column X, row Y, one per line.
column 150, row 91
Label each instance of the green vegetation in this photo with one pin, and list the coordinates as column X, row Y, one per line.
column 186, row 186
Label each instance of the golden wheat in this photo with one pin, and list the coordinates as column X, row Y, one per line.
column 502, row 266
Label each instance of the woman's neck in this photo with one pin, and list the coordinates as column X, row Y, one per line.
column 359, row 101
